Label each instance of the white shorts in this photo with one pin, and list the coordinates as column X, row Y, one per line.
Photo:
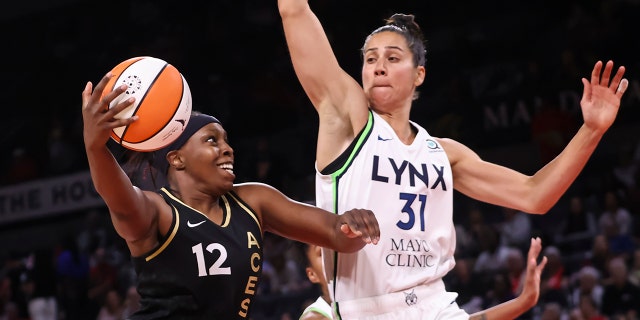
column 426, row 302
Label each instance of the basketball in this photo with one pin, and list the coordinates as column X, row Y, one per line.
column 162, row 103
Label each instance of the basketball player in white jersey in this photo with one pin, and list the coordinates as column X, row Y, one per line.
column 321, row 308
column 370, row 155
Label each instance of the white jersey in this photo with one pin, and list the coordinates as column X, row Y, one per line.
column 319, row 306
column 410, row 190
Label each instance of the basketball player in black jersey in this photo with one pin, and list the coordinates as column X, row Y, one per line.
column 197, row 243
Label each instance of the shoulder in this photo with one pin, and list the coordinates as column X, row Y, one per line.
column 319, row 310
column 159, row 202
column 448, row 143
column 312, row 315
column 154, row 196
column 248, row 190
column 457, row 152
column 256, row 194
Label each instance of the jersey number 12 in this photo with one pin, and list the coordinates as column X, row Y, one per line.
column 216, row 267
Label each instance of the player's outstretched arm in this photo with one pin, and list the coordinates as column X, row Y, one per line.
column 538, row 193
column 530, row 292
column 281, row 215
column 131, row 211
column 109, row 179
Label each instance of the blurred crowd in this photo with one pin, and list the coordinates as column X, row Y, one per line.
column 234, row 57
column 591, row 239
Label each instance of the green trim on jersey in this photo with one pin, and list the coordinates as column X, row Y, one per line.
column 319, row 311
column 360, row 140
column 364, row 134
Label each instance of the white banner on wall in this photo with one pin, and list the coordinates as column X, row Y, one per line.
column 43, row 198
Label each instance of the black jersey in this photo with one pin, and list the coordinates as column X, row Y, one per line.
column 202, row 270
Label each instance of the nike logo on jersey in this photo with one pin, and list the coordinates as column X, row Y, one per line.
column 191, row 225
column 383, row 139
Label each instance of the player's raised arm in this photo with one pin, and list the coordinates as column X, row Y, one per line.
column 131, row 210
column 528, row 298
column 538, row 193
column 339, row 99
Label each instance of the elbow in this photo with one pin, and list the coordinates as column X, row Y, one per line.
column 289, row 8
column 538, row 207
column 533, row 202
column 539, row 211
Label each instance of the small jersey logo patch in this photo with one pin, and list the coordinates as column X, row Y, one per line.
column 191, row 225
column 410, row 298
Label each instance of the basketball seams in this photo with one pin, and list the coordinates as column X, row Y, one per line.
column 176, row 123
column 163, row 103
column 140, row 103
column 179, row 102
column 117, row 71
column 125, row 70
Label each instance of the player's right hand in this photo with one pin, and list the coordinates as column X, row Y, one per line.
column 360, row 223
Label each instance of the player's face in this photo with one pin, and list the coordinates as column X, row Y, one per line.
column 389, row 77
column 208, row 157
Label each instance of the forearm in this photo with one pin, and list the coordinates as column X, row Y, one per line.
column 554, row 179
column 292, row 219
column 109, row 180
column 528, row 298
column 310, row 51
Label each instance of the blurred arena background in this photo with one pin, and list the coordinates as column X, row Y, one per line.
column 503, row 77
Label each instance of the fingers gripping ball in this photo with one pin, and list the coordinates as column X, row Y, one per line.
column 162, row 103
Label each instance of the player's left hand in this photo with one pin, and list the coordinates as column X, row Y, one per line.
column 601, row 96
column 98, row 118
column 360, row 223
column 531, row 289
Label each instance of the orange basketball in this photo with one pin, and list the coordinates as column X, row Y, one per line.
column 163, row 103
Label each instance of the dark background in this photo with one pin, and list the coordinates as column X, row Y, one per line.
column 486, row 57
column 493, row 67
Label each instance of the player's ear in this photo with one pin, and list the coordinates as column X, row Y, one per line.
column 313, row 277
column 420, row 74
column 175, row 160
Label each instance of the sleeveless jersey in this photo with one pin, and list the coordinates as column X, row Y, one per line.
column 410, row 190
column 202, row 270
column 319, row 306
